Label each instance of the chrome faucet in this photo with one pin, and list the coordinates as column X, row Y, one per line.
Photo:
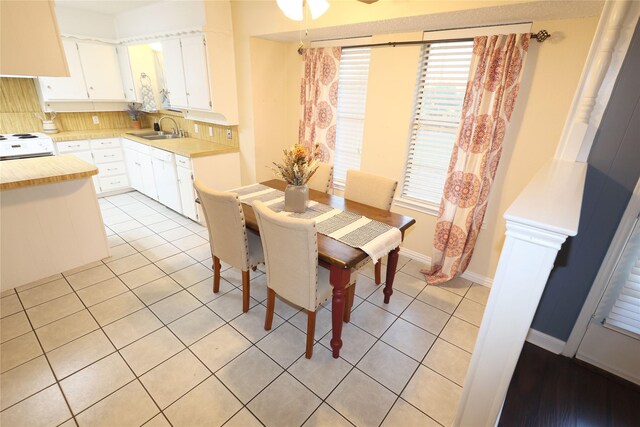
column 176, row 129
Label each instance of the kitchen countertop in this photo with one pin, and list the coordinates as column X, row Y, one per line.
column 188, row 147
column 43, row 170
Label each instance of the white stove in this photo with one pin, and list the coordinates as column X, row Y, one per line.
column 25, row 145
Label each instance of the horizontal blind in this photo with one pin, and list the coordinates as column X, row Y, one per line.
column 352, row 97
column 442, row 82
column 625, row 312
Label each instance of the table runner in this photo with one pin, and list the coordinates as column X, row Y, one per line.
column 373, row 237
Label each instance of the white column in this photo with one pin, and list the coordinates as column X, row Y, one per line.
column 538, row 222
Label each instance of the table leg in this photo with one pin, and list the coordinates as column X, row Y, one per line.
column 339, row 278
column 392, row 264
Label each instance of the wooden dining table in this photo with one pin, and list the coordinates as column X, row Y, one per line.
column 341, row 258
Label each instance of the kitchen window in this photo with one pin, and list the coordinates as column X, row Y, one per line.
column 352, row 97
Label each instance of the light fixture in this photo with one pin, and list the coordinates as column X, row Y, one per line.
column 294, row 9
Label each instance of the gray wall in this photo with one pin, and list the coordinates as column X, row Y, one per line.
column 613, row 171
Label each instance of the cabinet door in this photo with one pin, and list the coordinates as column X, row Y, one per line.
column 196, row 73
column 66, row 88
column 148, row 179
column 174, row 73
column 167, row 184
column 101, row 71
column 127, row 75
column 187, row 194
column 134, row 169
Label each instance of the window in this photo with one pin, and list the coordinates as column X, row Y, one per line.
column 440, row 88
column 352, row 97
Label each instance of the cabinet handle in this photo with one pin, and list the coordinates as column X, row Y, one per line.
column 104, row 143
column 109, row 155
column 48, row 86
column 188, row 94
column 91, row 87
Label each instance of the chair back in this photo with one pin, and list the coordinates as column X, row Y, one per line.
column 368, row 189
column 290, row 247
column 321, row 179
column 225, row 221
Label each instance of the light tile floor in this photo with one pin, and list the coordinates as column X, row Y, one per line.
column 140, row 338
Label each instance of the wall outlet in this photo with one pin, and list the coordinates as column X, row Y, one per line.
column 195, row 127
column 96, row 120
column 228, row 133
column 210, row 131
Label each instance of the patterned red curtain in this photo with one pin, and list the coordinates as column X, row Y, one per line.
column 494, row 83
column 319, row 100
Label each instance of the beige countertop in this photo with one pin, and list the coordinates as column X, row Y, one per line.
column 43, row 170
column 188, row 147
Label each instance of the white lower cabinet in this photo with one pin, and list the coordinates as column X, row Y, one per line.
column 187, row 193
column 166, row 179
column 106, row 154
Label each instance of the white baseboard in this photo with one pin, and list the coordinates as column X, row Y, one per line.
column 547, row 342
column 469, row 275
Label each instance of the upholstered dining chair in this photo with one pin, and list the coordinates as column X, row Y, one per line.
column 372, row 190
column 321, row 179
column 291, row 255
column 229, row 238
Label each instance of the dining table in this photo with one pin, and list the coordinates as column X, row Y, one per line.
column 339, row 258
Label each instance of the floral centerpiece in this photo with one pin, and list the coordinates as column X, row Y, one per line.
column 135, row 113
column 297, row 167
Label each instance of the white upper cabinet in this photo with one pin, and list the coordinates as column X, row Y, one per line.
column 66, row 88
column 186, row 73
column 174, row 73
column 101, row 71
column 126, row 72
column 196, row 74
column 95, row 75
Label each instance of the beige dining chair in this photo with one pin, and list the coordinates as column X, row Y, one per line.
column 229, row 238
column 291, row 255
column 321, row 179
column 372, row 190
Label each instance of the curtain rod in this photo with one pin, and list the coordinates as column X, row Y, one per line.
column 540, row 36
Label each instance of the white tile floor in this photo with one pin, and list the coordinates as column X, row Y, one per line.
column 140, row 338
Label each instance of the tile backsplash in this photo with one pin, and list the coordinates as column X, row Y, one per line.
column 19, row 105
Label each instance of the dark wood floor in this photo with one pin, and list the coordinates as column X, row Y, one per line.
column 551, row 390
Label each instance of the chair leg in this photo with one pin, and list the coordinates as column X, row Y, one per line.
column 351, row 292
column 311, row 332
column 245, row 291
column 271, row 303
column 216, row 274
column 378, row 271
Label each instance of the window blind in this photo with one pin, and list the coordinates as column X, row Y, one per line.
column 352, row 96
column 625, row 311
column 441, row 84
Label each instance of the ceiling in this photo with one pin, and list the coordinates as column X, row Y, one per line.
column 107, row 7
column 533, row 11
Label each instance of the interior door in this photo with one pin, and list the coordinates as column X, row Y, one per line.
column 612, row 339
column 66, row 88
column 174, row 73
column 101, row 71
column 196, row 73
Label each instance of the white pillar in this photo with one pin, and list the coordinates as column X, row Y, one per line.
column 538, row 222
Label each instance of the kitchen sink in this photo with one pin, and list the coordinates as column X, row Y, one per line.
column 156, row 135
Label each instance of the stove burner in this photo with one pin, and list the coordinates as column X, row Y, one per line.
column 24, row 135
column 2, row 138
column 21, row 134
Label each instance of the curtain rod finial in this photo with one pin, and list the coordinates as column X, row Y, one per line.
column 541, row 35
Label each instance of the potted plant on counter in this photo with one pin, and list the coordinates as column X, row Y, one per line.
column 297, row 167
column 135, row 114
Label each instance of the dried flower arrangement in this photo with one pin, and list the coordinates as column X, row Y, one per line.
column 134, row 111
column 298, row 165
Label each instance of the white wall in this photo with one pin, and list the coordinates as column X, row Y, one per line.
column 79, row 22
column 160, row 18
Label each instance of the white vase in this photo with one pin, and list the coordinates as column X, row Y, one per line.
column 296, row 198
